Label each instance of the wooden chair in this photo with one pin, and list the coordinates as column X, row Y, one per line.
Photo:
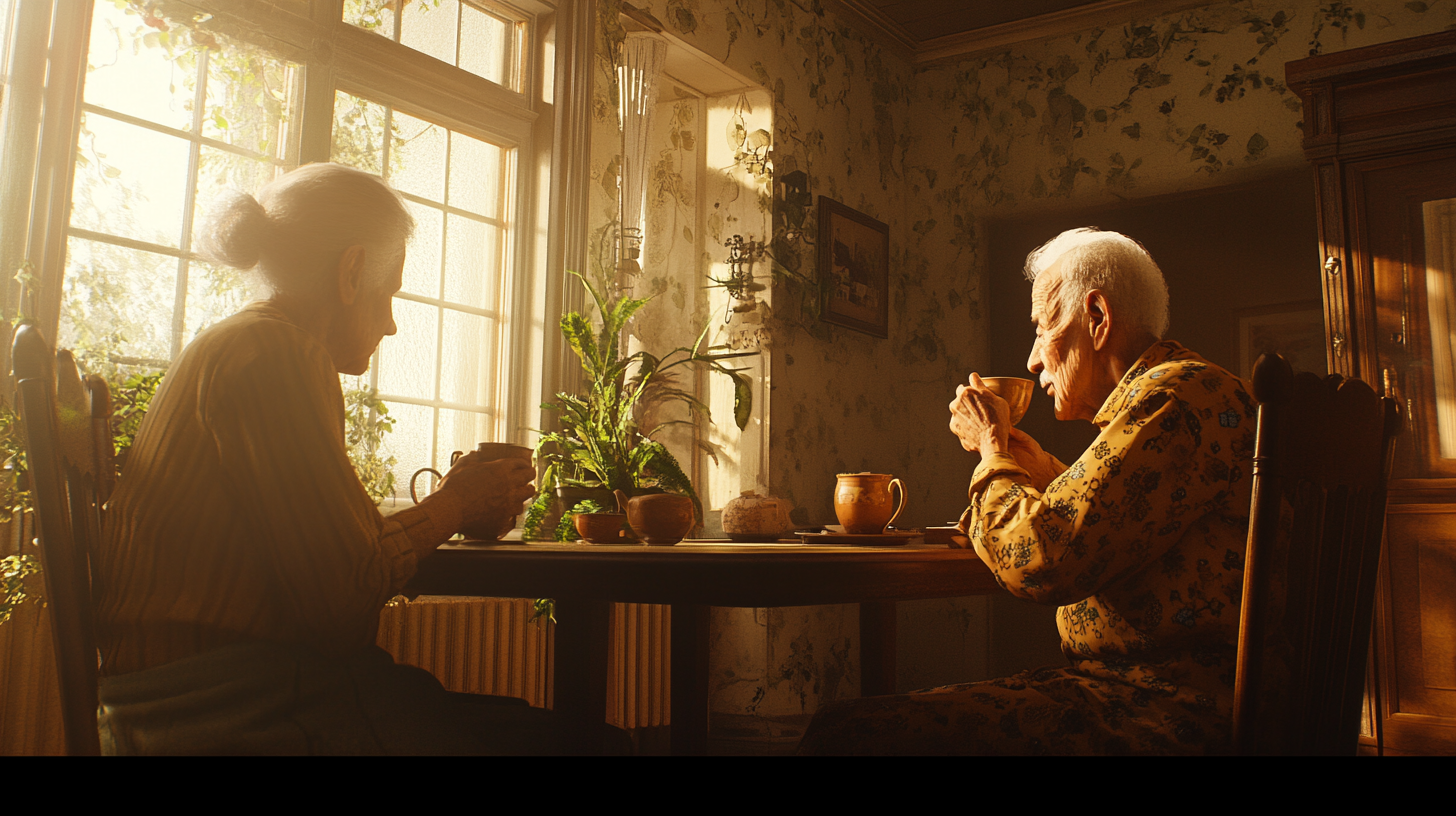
column 67, row 424
column 1321, row 463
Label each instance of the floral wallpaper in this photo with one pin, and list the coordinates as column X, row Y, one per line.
column 1184, row 101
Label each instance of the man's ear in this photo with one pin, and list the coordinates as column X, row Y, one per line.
column 1098, row 317
column 351, row 274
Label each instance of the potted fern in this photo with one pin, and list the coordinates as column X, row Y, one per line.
column 600, row 445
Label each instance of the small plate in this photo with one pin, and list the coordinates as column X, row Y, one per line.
column 859, row 540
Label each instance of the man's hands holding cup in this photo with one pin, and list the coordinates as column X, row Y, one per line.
column 980, row 419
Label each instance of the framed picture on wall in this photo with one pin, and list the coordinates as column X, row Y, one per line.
column 1295, row 330
column 854, row 269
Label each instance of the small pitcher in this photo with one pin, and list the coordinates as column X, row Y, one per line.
column 864, row 502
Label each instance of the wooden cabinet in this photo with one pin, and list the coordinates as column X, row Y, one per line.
column 1380, row 129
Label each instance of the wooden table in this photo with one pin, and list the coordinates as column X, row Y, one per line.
column 585, row 579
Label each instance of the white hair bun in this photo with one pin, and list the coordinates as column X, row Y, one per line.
column 236, row 231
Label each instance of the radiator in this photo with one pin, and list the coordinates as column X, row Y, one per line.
column 486, row 646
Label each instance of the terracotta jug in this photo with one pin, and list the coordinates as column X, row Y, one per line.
column 864, row 503
column 659, row 518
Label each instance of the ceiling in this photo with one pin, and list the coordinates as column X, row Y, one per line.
column 927, row 19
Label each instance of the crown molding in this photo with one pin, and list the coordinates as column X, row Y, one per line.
column 1045, row 26
column 868, row 18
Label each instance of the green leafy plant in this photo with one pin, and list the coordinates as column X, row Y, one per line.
column 14, row 569
column 131, row 395
column 129, row 402
column 366, row 421
column 600, row 443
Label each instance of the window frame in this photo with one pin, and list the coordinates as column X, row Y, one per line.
column 333, row 55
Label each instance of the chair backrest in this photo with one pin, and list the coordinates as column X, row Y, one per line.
column 1321, row 464
column 69, row 459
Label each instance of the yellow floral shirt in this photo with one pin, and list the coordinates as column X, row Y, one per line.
column 1141, row 539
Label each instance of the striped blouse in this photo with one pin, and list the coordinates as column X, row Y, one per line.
column 239, row 516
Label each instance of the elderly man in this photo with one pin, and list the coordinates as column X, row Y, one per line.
column 1140, row 542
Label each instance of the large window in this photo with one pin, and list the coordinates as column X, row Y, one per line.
column 440, row 374
column 177, row 110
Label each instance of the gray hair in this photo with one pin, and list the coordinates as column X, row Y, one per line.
column 297, row 226
column 1112, row 262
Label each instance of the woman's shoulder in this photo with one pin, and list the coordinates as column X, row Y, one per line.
column 258, row 334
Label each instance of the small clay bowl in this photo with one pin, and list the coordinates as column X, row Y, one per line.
column 1015, row 390
column 602, row 528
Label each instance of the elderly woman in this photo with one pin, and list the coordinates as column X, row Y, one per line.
column 244, row 567
column 1140, row 542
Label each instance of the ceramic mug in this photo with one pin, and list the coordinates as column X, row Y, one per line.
column 493, row 451
column 864, row 502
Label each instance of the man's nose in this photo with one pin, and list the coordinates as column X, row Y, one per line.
column 1033, row 361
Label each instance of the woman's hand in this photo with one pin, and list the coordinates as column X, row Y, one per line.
column 980, row 419
column 488, row 493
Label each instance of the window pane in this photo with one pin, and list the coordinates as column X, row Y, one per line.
column 475, row 175
column 371, row 15
column 419, row 164
column 472, row 263
column 247, row 100
column 457, row 33
column 422, row 258
column 137, row 69
column 462, row 431
column 130, row 181
column 358, row 139
column 468, row 370
column 431, row 28
column 220, row 173
column 484, row 44
column 407, row 360
column 213, row 294
column 410, row 444
column 117, row 301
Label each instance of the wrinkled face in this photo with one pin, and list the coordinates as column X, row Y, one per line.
column 368, row 321
column 1061, row 357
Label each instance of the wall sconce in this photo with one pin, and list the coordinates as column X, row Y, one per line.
column 745, row 315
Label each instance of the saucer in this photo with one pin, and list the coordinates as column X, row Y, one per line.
column 859, row 540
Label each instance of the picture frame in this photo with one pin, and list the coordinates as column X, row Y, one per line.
column 1295, row 330
column 854, row 269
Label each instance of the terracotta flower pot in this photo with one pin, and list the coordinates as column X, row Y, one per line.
column 602, row 528
column 659, row 519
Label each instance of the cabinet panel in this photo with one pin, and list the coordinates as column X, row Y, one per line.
column 1417, row 632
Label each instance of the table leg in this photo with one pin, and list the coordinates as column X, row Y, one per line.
column 580, row 673
column 877, row 648
column 689, row 720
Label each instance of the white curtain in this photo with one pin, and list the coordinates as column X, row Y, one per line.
column 1440, row 222
column 643, row 55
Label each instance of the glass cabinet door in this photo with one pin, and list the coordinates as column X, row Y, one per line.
column 1438, row 219
column 1411, row 230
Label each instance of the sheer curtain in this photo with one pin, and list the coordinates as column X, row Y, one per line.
column 1440, row 223
column 643, row 56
